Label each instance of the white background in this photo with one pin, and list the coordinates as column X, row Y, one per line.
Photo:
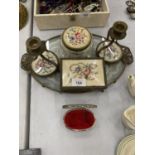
column 145, row 78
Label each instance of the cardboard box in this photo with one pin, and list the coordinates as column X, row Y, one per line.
column 64, row 20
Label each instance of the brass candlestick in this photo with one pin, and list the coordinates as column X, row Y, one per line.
column 110, row 49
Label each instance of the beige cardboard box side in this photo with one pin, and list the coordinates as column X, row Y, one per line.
column 64, row 20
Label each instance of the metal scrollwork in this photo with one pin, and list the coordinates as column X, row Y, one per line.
column 26, row 61
column 127, row 56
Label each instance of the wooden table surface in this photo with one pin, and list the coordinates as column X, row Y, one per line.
column 47, row 130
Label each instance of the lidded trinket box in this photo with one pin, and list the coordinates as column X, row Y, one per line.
column 79, row 117
column 79, row 75
column 76, row 41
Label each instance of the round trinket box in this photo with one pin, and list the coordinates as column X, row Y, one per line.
column 79, row 118
column 76, row 41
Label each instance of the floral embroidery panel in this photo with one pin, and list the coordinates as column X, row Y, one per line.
column 43, row 67
column 84, row 71
column 90, row 70
column 76, row 37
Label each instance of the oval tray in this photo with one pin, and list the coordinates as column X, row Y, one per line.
column 113, row 71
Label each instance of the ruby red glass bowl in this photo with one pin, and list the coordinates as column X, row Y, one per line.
column 79, row 119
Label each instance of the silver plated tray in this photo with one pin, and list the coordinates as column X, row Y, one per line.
column 113, row 71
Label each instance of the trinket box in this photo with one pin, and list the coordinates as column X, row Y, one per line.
column 79, row 117
column 79, row 75
column 76, row 42
column 65, row 20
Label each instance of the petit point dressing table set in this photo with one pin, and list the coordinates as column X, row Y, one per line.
column 76, row 65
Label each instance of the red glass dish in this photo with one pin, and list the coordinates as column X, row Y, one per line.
column 79, row 119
